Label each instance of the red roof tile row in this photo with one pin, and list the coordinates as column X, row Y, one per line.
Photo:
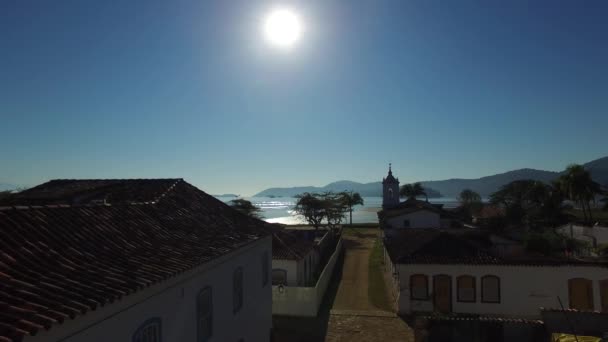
column 59, row 262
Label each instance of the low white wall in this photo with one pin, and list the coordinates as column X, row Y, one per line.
column 523, row 289
column 304, row 301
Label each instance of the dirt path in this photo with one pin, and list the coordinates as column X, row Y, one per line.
column 353, row 318
column 352, row 292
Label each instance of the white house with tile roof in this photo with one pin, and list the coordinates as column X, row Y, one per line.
column 444, row 272
column 131, row 260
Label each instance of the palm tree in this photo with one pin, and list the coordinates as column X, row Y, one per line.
column 411, row 191
column 350, row 200
column 576, row 183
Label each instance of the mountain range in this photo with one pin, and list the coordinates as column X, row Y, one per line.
column 449, row 187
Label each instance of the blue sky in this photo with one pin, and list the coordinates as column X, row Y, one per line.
column 138, row 89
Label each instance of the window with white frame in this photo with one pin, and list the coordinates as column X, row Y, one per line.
column 149, row 331
column 237, row 290
column 204, row 312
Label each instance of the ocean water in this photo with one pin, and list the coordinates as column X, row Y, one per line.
column 280, row 209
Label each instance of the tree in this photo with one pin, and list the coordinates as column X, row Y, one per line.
column 335, row 208
column 350, row 200
column 532, row 202
column 411, row 191
column 312, row 207
column 246, row 207
column 470, row 201
column 316, row 207
column 578, row 186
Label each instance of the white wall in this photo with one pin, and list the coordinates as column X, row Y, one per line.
column 418, row 219
column 297, row 274
column 291, row 267
column 304, row 301
column 174, row 301
column 523, row 289
column 585, row 233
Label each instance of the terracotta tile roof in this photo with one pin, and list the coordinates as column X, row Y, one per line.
column 490, row 319
column 288, row 245
column 593, row 312
column 92, row 191
column 61, row 261
column 434, row 246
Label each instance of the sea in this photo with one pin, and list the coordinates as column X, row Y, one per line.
column 280, row 209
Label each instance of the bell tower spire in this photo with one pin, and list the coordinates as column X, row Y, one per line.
column 390, row 189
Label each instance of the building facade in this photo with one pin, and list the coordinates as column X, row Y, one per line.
column 434, row 271
column 131, row 260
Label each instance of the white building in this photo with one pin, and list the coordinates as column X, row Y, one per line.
column 132, row 260
column 593, row 235
column 296, row 255
column 436, row 271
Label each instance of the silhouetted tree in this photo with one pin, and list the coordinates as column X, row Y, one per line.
column 470, row 201
column 411, row 191
column 578, row 186
column 246, row 207
column 316, row 207
column 350, row 200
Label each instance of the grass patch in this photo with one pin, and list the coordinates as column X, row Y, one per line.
column 377, row 288
column 359, row 230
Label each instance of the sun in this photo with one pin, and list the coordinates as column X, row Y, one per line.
column 282, row 28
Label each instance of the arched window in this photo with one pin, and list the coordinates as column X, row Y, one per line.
column 204, row 313
column 580, row 291
column 465, row 286
column 419, row 287
column 279, row 277
column 237, row 290
column 265, row 267
column 490, row 289
column 390, row 193
column 149, row 331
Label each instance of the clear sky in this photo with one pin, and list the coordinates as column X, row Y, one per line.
column 442, row 89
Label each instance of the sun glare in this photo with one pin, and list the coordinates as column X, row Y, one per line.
column 282, row 28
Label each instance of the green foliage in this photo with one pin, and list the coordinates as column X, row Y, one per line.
column 531, row 202
column 577, row 185
column 246, row 207
column 602, row 249
column 546, row 243
column 315, row 208
column 376, row 290
column 470, row 201
column 350, row 200
column 411, row 191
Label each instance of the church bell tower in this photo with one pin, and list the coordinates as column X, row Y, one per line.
column 390, row 190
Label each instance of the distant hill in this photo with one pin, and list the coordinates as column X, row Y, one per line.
column 450, row 187
column 365, row 189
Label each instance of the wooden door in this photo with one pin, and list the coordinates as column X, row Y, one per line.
column 442, row 293
column 581, row 294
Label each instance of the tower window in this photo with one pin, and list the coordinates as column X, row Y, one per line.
column 390, row 193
